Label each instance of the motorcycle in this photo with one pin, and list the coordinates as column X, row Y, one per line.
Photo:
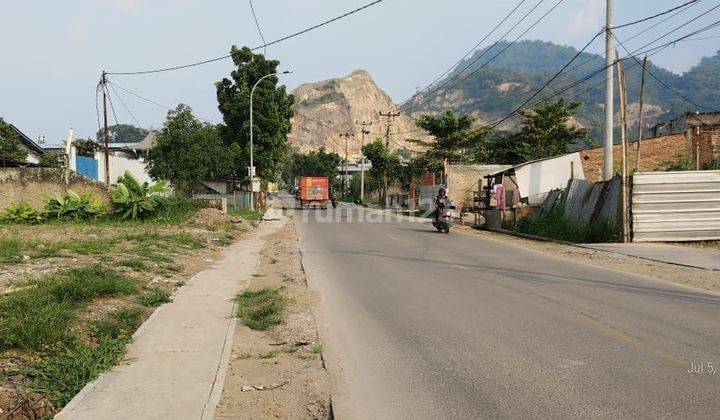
column 442, row 218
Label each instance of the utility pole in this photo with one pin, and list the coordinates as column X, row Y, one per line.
column 362, row 157
column 390, row 118
column 623, row 137
column 345, row 178
column 103, row 82
column 609, row 86
column 640, row 117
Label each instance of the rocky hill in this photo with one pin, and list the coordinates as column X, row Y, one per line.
column 325, row 109
column 497, row 89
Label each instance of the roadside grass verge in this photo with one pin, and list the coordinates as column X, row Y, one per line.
column 554, row 224
column 17, row 250
column 40, row 315
column 247, row 214
column 153, row 296
column 261, row 309
column 64, row 372
column 134, row 263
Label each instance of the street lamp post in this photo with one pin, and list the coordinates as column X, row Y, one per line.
column 251, row 171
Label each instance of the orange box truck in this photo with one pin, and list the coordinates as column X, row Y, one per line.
column 314, row 191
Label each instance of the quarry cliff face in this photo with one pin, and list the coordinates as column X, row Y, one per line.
column 325, row 109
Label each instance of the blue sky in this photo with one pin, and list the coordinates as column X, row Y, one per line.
column 53, row 51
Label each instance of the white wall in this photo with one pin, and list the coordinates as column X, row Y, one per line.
column 536, row 179
column 120, row 164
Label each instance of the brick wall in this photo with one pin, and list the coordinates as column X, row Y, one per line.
column 37, row 185
column 653, row 153
column 708, row 138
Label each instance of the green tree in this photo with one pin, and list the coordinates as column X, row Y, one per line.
column 10, row 145
column 122, row 133
column 51, row 159
column 272, row 112
column 315, row 163
column 453, row 137
column 546, row 131
column 86, row 147
column 385, row 165
column 187, row 151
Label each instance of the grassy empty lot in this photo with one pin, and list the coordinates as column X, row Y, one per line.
column 72, row 294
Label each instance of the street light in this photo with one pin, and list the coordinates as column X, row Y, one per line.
column 252, row 166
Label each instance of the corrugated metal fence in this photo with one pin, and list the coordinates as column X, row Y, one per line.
column 676, row 206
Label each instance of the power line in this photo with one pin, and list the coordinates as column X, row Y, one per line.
column 476, row 46
column 499, row 53
column 257, row 24
column 555, row 76
column 277, row 41
column 656, row 50
column 126, row 107
column 155, row 103
column 117, row 122
column 665, row 84
column 431, row 92
column 654, row 16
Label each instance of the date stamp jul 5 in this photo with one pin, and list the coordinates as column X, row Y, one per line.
column 703, row 368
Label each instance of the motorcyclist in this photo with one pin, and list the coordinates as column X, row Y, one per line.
column 441, row 201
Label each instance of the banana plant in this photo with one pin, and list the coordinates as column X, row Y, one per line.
column 133, row 200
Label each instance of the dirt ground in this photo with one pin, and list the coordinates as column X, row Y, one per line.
column 279, row 373
column 687, row 276
column 154, row 255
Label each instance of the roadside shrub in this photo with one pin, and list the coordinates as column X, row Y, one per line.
column 554, row 224
column 133, row 200
column 261, row 309
column 21, row 213
column 681, row 162
column 73, row 206
column 176, row 209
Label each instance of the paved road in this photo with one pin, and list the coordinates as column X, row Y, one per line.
column 425, row 325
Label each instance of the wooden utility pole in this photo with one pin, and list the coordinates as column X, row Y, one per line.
column 390, row 118
column 362, row 157
column 103, row 83
column 609, row 92
column 345, row 178
column 623, row 139
column 640, row 117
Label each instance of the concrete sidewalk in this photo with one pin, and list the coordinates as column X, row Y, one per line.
column 176, row 364
column 690, row 256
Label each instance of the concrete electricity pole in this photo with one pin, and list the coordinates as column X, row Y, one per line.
column 362, row 157
column 390, row 118
column 345, row 178
column 609, row 82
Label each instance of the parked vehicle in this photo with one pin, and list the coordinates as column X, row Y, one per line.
column 314, row 191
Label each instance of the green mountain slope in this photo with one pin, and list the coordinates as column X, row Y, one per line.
column 493, row 91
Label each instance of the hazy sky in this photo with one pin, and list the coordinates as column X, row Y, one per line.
column 53, row 51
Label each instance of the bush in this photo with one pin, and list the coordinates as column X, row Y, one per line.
column 682, row 162
column 133, row 200
column 554, row 224
column 21, row 213
column 75, row 207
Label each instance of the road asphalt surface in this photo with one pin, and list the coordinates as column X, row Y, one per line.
column 419, row 324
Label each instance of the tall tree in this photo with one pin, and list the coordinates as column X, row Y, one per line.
column 315, row 163
column 272, row 112
column 187, row 151
column 547, row 132
column 10, row 145
column 453, row 136
column 384, row 164
column 122, row 133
